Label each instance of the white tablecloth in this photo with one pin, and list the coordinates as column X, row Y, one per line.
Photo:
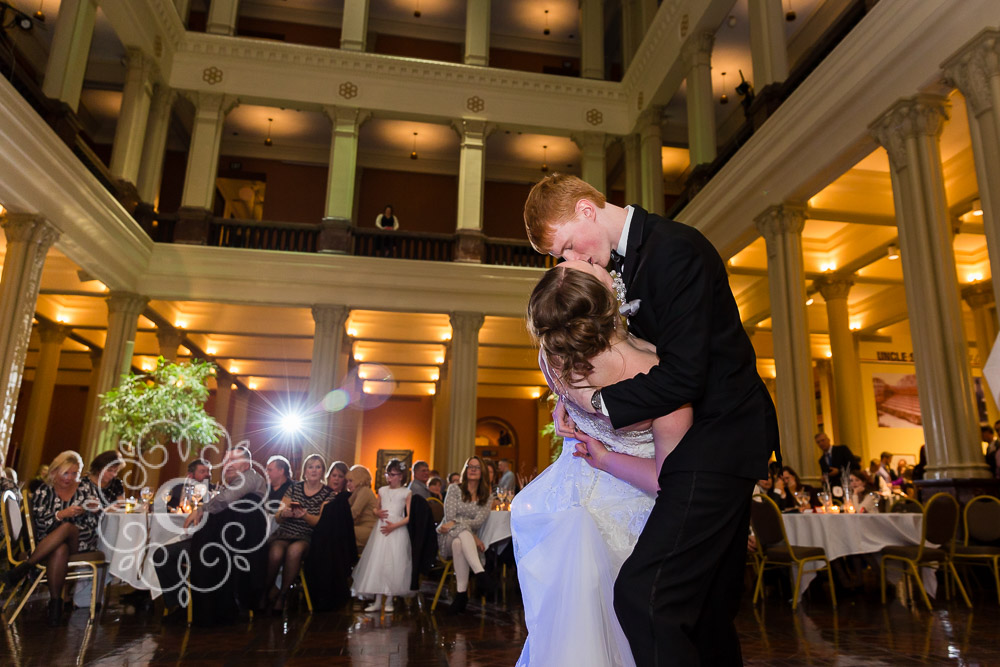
column 496, row 528
column 128, row 540
column 854, row 534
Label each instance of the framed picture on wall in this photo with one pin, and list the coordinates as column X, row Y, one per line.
column 384, row 456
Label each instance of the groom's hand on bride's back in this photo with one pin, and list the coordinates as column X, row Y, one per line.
column 565, row 426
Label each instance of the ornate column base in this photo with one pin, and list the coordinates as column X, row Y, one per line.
column 193, row 225
column 964, row 489
column 470, row 246
column 335, row 236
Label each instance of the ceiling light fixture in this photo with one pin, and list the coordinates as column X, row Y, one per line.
column 809, row 301
column 267, row 141
column 545, row 157
column 977, row 208
column 893, row 252
column 546, row 31
column 790, row 14
column 413, row 153
column 40, row 14
column 975, row 277
column 725, row 98
column 416, row 10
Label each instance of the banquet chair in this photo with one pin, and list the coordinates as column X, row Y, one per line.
column 981, row 523
column 17, row 525
column 774, row 550
column 444, row 577
column 906, row 505
column 939, row 527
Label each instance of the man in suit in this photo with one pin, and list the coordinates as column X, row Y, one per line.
column 835, row 459
column 678, row 593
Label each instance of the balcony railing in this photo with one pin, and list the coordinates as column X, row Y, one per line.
column 287, row 236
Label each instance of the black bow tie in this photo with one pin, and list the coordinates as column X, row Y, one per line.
column 618, row 261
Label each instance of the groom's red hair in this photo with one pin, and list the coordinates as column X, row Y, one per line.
column 551, row 202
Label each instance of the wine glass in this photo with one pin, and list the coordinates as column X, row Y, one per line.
column 824, row 498
column 198, row 492
column 147, row 495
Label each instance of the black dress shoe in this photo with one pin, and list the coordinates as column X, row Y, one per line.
column 55, row 613
column 457, row 605
column 485, row 585
column 19, row 572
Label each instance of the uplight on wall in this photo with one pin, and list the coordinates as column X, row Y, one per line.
column 359, row 356
column 828, row 266
column 829, row 354
column 180, row 324
column 446, row 336
column 234, row 369
column 439, row 360
column 855, row 326
column 974, row 277
column 977, row 207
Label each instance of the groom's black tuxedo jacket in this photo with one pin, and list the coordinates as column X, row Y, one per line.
column 688, row 311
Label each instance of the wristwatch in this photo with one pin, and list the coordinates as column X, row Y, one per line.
column 597, row 402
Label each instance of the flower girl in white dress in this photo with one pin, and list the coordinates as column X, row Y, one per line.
column 385, row 565
column 576, row 523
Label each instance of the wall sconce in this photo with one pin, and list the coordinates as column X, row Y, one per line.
column 724, row 99
column 545, row 157
column 546, row 31
column 893, row 252
column 267, row 141
column 977, row 207
column 413, row 153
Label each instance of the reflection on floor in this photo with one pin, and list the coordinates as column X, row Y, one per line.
column 861, row 632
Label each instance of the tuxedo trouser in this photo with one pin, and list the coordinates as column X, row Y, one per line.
column 678, row 594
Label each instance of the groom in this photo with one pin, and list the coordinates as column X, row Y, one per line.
column 677, row 595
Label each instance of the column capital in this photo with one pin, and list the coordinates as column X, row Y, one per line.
column 346, row 119
column 128, row 303
column 971, row 69
column 834, row 287
column 137, row 63
column 50, row 332
column 163, row 96
column 697, row 50
column 590, row 142
column 169, row 339
column 465, row 322
column 472, row 131
column 780, row 219
column 213, row 104
column 330, row 316
column 920, row 115
column 978, row 295
column 29, row 228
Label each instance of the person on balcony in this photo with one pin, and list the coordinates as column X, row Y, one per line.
column 387, row 219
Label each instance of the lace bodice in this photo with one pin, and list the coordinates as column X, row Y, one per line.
column 634, row 443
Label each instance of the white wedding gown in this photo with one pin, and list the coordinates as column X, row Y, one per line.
column 573, row 527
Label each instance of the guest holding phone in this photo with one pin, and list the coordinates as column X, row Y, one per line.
column 66, row 511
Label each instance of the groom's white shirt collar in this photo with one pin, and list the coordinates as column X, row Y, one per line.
column 623, row 240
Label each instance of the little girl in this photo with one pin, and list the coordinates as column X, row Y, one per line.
column 385, row 565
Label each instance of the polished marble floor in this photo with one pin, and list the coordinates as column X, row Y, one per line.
column 861, row 632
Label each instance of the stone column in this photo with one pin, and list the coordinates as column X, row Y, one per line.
column 354, row 28
column 592, row 39
column 90, row 411
column 477, row 32
column 198, row 197
column 341, row 176
column 470, row 245
column 979, row 296
column 241, row 407
column 126, row 152
column 155, row 145
column 975, row 71
column 633, row 168
column 40, row 404
column 183, row 10
column 592, row 167
column 631, row 34
column 223, row 397
column 463, row 369
column 651, row 159
column 324, row 373
column 441, row 419
column 910, row 131
column 767, row 43
column 67, row 63
column 850, row 413
column 169, row 339
column 697, row 54
column 781, row 227
column 124, row 309
column 29, row 238
column 222, row 17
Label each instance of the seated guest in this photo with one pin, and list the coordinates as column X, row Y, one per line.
column 333, row 550
column 435, row 473
column 435, row 486
column 103, row 475
column 279, row 476
column 421, row 473
column 789, row 486
column 434, row 500
column 466, row 508
column 66, row 513
column 199, row 471
column 492, row 474
column 363, row 504
column 241, row 486
column 454, row 478
column 766, row 487
column 508, row 480
column 297, row 515
column 40, row 476
column 918, row 470
column 862, row 493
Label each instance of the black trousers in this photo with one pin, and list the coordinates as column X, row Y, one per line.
column 678, row 594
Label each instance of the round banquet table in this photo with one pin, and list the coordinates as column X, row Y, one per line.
column 128, row 540
column 854, row 534
column 496, row 528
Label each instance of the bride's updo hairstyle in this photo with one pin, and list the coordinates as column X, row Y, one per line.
column 572, row 315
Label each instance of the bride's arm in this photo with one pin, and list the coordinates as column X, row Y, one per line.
column 640, row 473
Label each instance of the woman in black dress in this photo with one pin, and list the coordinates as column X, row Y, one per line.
column 333, row 551
column 103, row 475
column 297, row 517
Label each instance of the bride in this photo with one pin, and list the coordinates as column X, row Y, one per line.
column 576, row 523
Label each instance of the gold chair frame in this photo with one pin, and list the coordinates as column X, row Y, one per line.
column 992, row 560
